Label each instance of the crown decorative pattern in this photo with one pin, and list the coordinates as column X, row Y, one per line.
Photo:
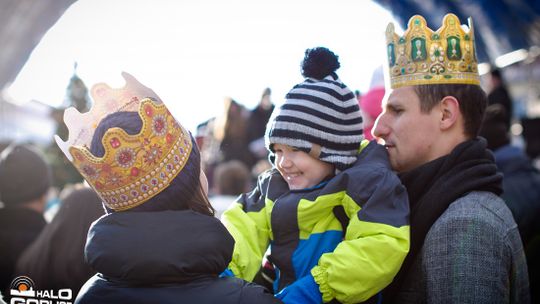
column 422, row 56
column 135, row 167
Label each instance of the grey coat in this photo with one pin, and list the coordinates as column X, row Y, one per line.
column 472, row 254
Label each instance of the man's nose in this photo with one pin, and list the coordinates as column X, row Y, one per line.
column 380, row 129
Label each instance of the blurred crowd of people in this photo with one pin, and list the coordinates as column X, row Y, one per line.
column 50, row 252
column 43, row 232
column 237, row 135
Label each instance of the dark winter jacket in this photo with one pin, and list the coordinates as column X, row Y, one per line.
column 521, row 186
column 19, row 227
column 163, row 257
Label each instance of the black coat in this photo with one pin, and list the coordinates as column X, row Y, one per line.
column 19, row 227
column 521, row 186
column 163, row 257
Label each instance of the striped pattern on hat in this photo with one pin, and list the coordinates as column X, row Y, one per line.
column 321, row 118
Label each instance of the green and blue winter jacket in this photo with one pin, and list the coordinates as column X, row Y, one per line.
column 350, row 260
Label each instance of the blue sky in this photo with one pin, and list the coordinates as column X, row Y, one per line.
column 195, row 53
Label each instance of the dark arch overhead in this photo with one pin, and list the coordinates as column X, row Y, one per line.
column 24, row 22
column 501, row 26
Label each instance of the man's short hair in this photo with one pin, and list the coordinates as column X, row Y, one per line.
column 472, row 102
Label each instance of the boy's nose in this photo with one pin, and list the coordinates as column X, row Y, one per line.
column 285, row 162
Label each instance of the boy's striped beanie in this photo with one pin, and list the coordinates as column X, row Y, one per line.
column 320, row 117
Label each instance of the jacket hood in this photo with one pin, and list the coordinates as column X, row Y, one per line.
column 158, row 247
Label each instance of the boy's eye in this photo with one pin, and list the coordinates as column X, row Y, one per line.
column 295, row 150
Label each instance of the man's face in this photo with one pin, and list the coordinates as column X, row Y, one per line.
column 299, row 169
column 409, row 134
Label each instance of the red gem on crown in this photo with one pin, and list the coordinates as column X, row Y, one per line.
column 115, row 142
column 169, row 138
column 149, row 111
column 134, row 171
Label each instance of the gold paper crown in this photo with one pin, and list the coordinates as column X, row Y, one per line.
column 136, row 167
column 422, row 56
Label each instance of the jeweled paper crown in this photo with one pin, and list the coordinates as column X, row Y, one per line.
column 422, row 56
column 136, row 167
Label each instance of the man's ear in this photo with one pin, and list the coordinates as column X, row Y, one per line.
column 450, row 112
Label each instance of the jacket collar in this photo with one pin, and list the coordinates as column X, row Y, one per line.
column 158, row 247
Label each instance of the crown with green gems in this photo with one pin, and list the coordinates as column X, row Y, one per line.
column 422, row 56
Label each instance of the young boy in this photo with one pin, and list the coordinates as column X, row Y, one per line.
column 335, row 219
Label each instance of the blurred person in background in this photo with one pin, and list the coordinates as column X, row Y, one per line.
column 370, row 103
column 25, row 179
column 55, row 260
column 258, row 119
column 225, row 138
column 521, row 185
column 498, row 94
column 231, row 179
column 232, row 133
column 256, row 126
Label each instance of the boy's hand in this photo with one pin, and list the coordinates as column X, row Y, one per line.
column 302, row 291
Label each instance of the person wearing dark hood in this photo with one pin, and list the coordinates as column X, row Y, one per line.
column 159, row 241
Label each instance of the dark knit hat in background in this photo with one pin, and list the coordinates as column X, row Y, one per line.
column 320, row 115
column 24, row 175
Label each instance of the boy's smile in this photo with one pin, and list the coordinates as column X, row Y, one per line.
column 299, row 169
